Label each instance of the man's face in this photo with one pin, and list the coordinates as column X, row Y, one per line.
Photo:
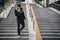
column 18, row 8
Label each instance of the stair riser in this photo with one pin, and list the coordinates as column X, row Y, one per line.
column 13, row 31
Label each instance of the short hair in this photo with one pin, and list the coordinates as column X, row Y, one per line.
column 19, row 5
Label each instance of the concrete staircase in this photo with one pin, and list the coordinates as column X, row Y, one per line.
column 8, row 27
column 49, row 23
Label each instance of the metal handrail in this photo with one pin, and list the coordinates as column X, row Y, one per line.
column 56, row 4
column 38, row 33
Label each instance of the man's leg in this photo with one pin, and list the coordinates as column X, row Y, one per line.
column 18, row 28
column 23, row 25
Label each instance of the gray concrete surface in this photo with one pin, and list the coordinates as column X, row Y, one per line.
column 48, row 21
column 8, row 27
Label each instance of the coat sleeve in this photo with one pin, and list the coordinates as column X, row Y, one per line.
column 16, row 13
column 24, row 16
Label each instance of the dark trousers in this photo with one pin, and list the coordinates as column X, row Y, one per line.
column 20, row 29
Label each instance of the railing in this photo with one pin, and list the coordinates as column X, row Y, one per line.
column 38, row 33
column 56, row 4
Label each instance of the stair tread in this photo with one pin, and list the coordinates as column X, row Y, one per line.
column 50, row 37
column 14, row 37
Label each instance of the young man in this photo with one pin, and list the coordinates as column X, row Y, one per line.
column 20, row 17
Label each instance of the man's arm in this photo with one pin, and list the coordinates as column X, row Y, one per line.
column 24, row 16
column 15, row 13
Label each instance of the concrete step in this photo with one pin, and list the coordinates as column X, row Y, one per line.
column 13, row 31
column 50, row 21
column 52, row 24
column 49, row 37
column 2, row 28
column 13, row 37
column 15, row 22
column 9, row 25
column 50, row 34
column 50, row 31
column 49, row 28
column 13, row 34
column 10, row 21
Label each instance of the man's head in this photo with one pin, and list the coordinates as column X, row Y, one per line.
column 18, row 8
column 19, row 5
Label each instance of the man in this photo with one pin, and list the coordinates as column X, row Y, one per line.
column 20, row 18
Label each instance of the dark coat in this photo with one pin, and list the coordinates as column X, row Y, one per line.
column 20, row 16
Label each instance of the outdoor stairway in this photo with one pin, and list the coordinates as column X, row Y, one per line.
column 8, row 27
column 48, row 21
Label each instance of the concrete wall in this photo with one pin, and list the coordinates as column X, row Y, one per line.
column 6, row 11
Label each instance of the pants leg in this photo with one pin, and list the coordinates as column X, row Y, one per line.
column 23, row 25
column 18, row 24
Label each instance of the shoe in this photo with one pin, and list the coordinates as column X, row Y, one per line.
column 19, row 36
column 18, row 33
